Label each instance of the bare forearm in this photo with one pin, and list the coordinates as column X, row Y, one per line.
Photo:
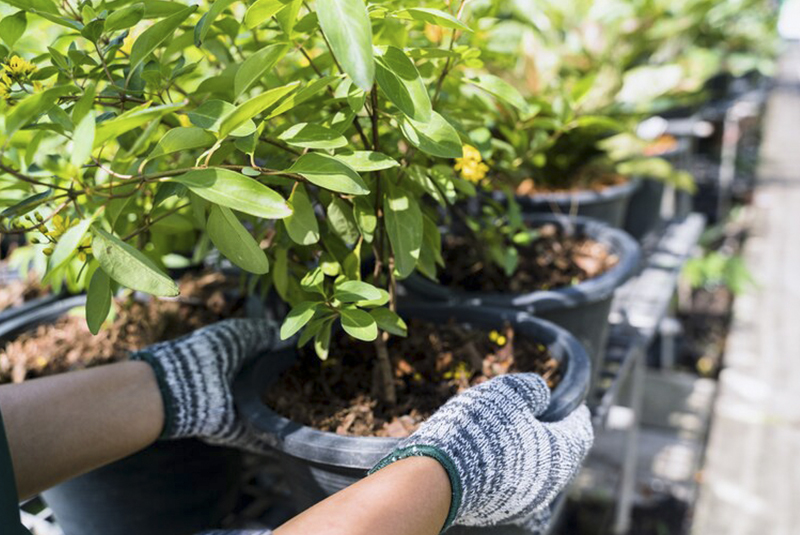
column 62, row 426
column 409, row 497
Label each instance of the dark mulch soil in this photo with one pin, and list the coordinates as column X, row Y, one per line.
column 434, row 363
column 554, row 259
column 67, row 344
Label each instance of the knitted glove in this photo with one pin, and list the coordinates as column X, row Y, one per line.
column 195, row 374
column 505, row 466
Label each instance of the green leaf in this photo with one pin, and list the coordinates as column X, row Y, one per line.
column 129, row 120
column 98, row 300
column 364, row 213
column 261, row 11
column 84, row 104
column 130, row 267
column 432, row 16
column 155, row 35
column 31, row 107
column 235, row 242
column 295, row 99
column 341, row 220
column 68, row 243
column 382, row 300
column 180, row 139
column 249, row 109
column 359, row 324
column 365, row 161
column 403, row 220
column 26, row 205
column 201, row 30
column 83, row 140
column 236, row 191
column 93, row 30
column 399, row 79
column 348, row 29
column 322, row 340
column 329, row 173
column 502, row 90
column 352, row 291
column 302, row 225
column 297, row 318
column 389, row 321
column 12, row 27
column 35, row 6
column 436, row 137
column 313, row 136
column 126, row 17
column 313, row 280
column 256, row 66
column 209, row 116
column 288, row 17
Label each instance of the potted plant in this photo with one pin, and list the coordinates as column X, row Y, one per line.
column 560, row 268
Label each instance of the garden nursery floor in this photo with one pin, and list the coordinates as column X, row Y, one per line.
column 751, row 477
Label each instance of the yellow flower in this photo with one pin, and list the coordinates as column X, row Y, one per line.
column 471, row 165
column 20, row 67
column 498, row 338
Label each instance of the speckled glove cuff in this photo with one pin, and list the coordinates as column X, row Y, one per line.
column 195, row 374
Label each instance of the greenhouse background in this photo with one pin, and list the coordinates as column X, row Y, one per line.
column 418, row 200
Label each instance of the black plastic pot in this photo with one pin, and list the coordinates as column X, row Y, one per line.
column 608, row 205
column 171, row 488
column 317, row 463
column 644, row 211
column 581, row 309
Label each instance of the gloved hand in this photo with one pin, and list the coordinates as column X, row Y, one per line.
column 195, row 374
column 504, row 465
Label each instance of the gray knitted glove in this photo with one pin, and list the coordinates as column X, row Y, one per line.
column 195, row 374
column 504, row 465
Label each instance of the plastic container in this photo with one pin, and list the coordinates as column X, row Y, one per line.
column 609, row 205
column 317, row 463
column 176, row 487
column 581, row 309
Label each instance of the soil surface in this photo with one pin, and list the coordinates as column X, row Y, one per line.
column 553, row 260
column 67, row 344
column 19, row 291
column 433, row 364
column 592, row 179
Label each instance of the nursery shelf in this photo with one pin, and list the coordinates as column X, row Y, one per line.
column 639, row 307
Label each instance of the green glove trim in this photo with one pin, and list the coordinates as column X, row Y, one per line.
column 163, row 387
column 446, row 462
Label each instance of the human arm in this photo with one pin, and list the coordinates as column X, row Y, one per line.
column 62, row 426
column 65, row 425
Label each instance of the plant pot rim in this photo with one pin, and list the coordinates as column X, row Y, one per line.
column 26, row 307
column 591, row 290
column 581, row 196
column 361, row 453
column 44, row 313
